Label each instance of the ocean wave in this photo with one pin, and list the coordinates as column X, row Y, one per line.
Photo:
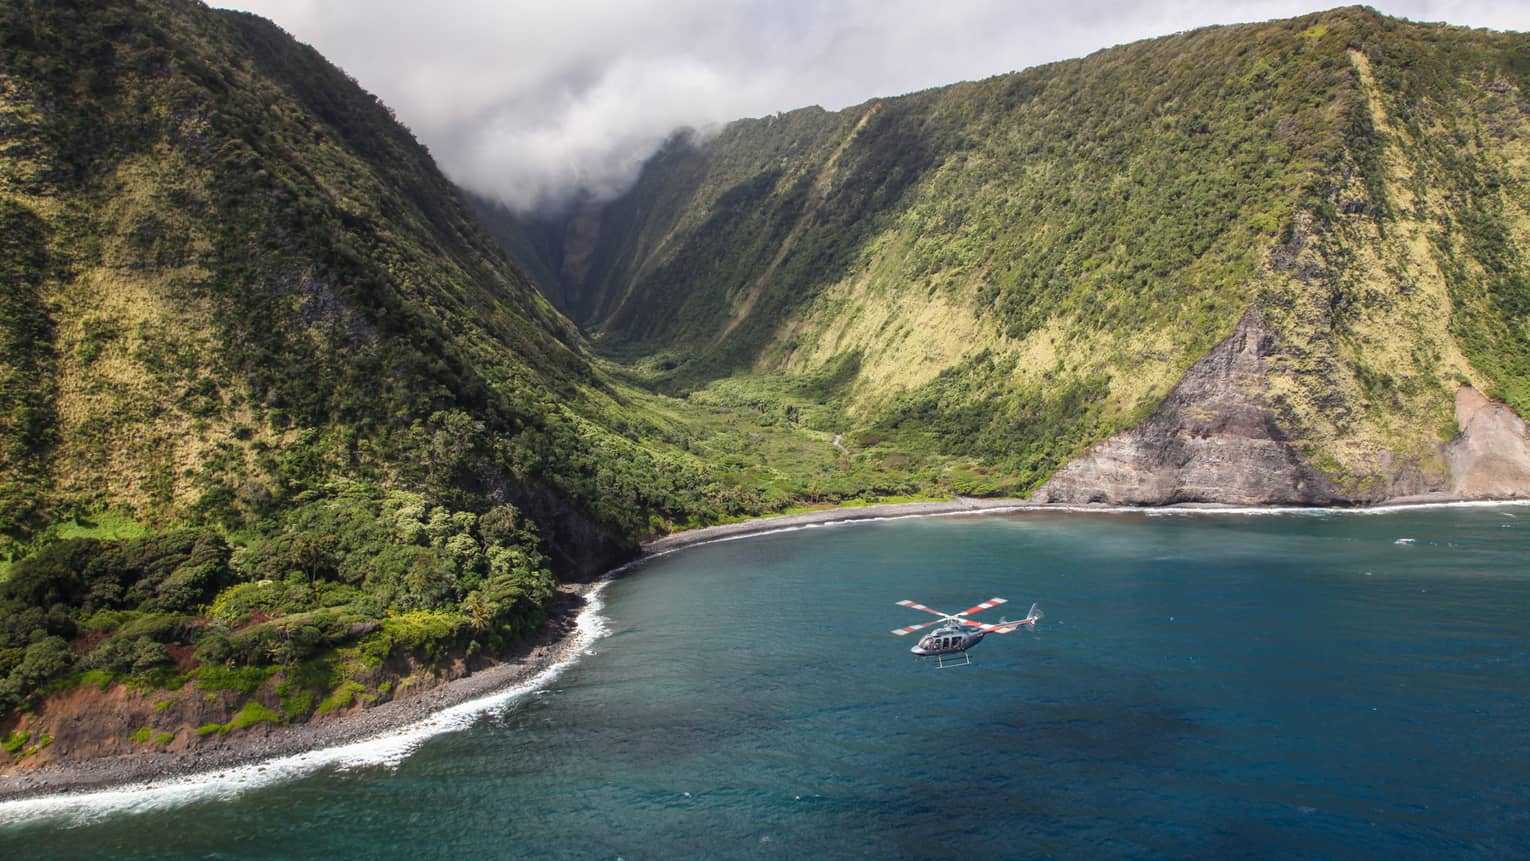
column 386, row 749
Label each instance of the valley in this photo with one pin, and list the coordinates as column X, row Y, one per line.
column 293, row 427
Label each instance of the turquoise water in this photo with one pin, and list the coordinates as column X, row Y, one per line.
column 1211, row 685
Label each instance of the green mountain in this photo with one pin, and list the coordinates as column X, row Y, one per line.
column 278, row 420
column 1011, row 271
column 233, row 278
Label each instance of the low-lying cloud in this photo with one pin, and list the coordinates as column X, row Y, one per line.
column 537, row 103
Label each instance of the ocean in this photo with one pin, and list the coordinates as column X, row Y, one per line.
column 1309, row 684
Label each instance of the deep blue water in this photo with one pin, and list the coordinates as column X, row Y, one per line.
column 1210, row 685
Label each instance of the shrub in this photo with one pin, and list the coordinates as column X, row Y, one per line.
column 252, row 713
column 148, row 654
column 43, row 660
column 244, row 680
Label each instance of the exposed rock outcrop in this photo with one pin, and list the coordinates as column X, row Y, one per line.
column 1213, row 439
column 1489, row 458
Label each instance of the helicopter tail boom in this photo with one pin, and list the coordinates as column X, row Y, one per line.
column 1004, row 626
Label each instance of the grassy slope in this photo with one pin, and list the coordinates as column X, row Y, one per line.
column 273, row 405
column 1019, row 266
column 245, row 263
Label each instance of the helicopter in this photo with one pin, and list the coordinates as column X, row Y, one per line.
column 952, row 639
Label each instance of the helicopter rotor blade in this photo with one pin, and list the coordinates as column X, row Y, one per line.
column 1002, row 626
column 991, row 602
column 912, row 628
column 918, row 606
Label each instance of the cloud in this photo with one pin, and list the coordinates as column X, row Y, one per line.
column 536, row 102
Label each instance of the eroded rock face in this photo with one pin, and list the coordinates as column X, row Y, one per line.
column 1489, row 458
column 1213, row 439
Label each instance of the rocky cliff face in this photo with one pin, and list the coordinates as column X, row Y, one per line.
column 1214, row 439
column 1489, row 459
column 1217, row 439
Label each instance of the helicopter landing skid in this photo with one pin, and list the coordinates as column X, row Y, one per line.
column 949, row 661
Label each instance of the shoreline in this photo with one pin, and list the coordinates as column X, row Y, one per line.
column 554, row 645
column 975, row 505
column 876, row 511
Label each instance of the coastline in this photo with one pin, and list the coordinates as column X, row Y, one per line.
column 555, row 644
column 876, row 511
column 973, row 505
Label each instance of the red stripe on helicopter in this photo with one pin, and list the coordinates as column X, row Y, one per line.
column 917, row 606
column 991, row 602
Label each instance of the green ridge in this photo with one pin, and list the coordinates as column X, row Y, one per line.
column 1023, row 265
column 267, row 391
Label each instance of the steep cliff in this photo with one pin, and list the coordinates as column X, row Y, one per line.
column 274, row 410
column 232, row 278
column 1022, row 267
column 1215, row 438
column 1489, row 459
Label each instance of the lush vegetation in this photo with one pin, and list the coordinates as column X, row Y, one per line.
column 353, row 581
column 26, row 425
column 1471, row 162
column 258, row 281
column 245, row 314
column 279, row 420
column 1022, row 265
column 1108, row 191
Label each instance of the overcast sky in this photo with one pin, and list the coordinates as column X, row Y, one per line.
column 531, row 101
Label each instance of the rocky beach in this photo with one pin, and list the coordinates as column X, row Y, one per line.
column 558, row 641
